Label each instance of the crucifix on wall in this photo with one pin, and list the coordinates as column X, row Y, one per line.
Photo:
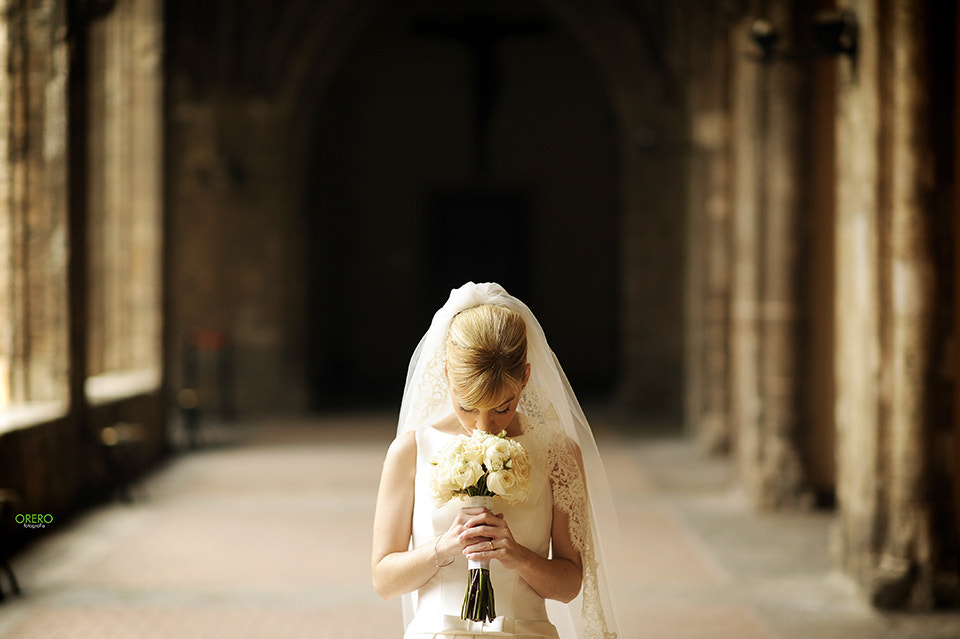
column 481, row 33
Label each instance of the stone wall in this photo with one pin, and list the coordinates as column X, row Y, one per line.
column 33, row 203
column 61, row 466
column 246, row 155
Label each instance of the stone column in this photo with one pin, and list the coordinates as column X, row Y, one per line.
column 708, row 245
column 885, row 294
column 33, row 361
column 747, row 160
column 910, row 300
column 857, row 360
column 780, row 481
column 11, row 386
column 768, row 149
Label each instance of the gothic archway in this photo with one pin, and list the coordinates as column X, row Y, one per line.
column 453, row 145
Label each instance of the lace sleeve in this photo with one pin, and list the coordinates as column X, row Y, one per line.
column 563, row 462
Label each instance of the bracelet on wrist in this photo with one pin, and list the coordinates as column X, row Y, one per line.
column 436, row 555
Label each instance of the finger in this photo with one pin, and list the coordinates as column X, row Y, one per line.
column 478, row 548
column 482, row 532
column 486, row 518
column 478, row 523
column 486, row 549
column 474, row 540
column 475, row 518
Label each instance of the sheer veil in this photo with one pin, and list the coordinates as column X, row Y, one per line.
column 550, row 406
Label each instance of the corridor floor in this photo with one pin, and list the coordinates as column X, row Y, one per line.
column 265, row 532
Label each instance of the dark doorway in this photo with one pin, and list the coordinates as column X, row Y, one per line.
column 479, row 235
column 402, row 206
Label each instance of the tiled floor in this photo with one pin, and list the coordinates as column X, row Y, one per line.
column 266, row 533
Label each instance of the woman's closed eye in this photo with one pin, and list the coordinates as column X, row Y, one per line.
column 502, row 409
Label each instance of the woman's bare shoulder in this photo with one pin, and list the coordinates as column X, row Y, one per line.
column 405, row 444
column 403, row 449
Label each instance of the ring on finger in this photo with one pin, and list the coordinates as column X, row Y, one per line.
column 491, row 545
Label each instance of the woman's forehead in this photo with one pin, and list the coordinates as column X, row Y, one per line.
column 498, row 400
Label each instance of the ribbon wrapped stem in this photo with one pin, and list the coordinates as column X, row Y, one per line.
column 478, row 600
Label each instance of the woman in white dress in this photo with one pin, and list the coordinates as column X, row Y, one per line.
column 484, row 364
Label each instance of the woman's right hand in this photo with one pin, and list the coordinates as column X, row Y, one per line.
column 450, row 546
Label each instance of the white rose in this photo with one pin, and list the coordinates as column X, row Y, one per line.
column 472, row 450
column 497, row 453
column 467, row 474
column 441, row 484
column 502, row 483
column 440, row 498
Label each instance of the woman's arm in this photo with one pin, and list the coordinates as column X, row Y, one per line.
column 397, row 569
column 567, row 567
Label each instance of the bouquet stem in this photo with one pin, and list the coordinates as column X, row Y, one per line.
column 478, row 602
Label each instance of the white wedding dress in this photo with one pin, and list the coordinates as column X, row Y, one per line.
column 521, row 612
column 558, row 435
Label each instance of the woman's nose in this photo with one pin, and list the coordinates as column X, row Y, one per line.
column 484, row 421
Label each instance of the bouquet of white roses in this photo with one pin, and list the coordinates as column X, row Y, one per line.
column 478, row 468
column 483, row 465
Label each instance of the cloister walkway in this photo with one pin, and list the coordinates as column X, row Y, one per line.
column 265, row 532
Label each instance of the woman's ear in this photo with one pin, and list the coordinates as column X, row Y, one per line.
column 526, row 375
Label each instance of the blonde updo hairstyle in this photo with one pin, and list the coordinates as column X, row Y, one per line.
column 486, row 355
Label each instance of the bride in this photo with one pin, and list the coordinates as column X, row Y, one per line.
column 484, row 364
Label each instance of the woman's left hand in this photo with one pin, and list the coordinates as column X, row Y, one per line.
column 487, row 536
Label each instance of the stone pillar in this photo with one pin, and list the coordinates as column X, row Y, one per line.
column 768, row 154
column 747, row 160
column 125, row 169
column 33, row 202
column 885, row 293
column 910, row 300
column 6, row 230
column 779, row 313
column 708, row 254
column 857, row 362
column 11, row 386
